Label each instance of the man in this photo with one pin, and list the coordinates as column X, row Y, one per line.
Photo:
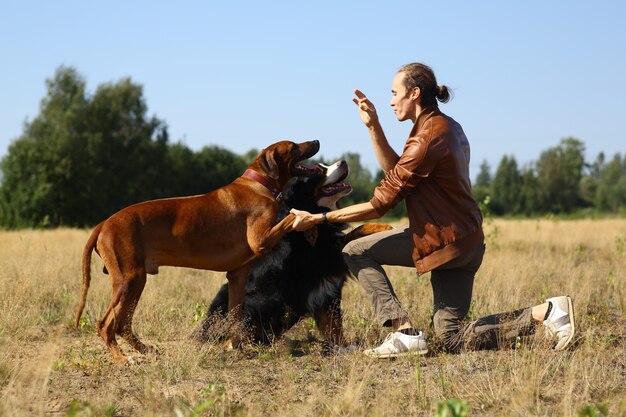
column 444, row 235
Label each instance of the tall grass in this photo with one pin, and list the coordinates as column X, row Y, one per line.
column 47, row 367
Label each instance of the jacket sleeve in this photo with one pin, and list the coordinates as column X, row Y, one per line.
column 416, row 163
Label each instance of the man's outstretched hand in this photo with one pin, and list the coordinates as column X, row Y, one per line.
column 367, row 111
column 304, row 220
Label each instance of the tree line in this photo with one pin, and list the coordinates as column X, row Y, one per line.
column 86, row 156
column 559, row 182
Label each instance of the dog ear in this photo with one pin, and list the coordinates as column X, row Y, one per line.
column 311, row 235
column 269, row 165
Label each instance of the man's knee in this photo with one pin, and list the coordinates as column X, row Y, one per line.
column 352, row 248
column 351, row 252
column 448, row 330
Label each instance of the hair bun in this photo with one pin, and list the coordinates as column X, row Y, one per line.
column 442, row 93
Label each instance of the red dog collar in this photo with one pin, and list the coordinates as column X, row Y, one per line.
column 266, row 182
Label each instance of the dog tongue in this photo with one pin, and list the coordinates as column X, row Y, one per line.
column 309, row 169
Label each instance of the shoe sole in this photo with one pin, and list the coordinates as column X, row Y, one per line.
column 571, row 322
column 396, row 355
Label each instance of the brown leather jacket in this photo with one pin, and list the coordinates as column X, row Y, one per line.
column 432, row 175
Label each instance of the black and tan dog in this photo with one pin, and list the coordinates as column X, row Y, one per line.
column 305, row 272
column 224, row 230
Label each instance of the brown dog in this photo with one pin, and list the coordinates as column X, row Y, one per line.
column 224, row 230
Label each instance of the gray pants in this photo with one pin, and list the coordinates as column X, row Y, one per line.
column 452, row 285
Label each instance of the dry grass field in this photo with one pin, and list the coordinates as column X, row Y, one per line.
column 48, row 368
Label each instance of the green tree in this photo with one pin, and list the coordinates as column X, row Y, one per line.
column 217, row 167
column 182, row 166
column 559, row 172
column 505, row 187
column 44, row 155
column 481, row 186
column 529, row 200
column 589, row 183
column 484, row 175
column 82, row 158
column 191, row 173
column 611, row 189
column 127, row 151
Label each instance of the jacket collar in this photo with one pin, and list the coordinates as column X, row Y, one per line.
column 425, row 114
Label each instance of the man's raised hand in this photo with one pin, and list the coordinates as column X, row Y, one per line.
column 367, row 111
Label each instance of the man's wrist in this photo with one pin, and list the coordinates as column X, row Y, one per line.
column 374, row 124
column 324, row 218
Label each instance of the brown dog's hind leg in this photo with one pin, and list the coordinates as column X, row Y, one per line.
column 106, row 327
column 118, row 317
column 237, row 281
column 128, row 304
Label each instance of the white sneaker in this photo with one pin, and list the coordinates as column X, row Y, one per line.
column 399, row 344
column 560, row 322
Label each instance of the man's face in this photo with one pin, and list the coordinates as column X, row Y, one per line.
column 403, row 102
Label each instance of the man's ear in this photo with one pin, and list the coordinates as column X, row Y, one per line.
column 415, row 93
column 269, row 165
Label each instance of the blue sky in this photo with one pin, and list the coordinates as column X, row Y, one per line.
column 244, row 74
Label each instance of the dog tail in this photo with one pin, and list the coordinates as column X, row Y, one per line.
column 366, row 230
column 89, row 247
